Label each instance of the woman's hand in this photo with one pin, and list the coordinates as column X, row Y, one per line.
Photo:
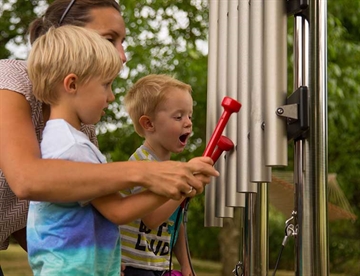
column 174, row 179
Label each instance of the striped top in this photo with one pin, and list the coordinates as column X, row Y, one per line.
column 143, row 247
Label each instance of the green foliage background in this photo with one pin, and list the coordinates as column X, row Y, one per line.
column 179, row 55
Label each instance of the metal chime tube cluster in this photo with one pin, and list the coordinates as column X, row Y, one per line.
column 247, row 61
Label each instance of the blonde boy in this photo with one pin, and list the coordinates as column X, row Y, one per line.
column 72, row 70
column 161, row 108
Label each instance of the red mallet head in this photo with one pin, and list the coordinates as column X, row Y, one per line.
column 230, row 106
column 223, row 144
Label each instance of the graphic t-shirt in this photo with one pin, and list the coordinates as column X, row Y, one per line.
column 143, row 247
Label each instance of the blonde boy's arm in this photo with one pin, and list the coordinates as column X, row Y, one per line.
column 181, row 252
column 155, row 218
column 122, row 210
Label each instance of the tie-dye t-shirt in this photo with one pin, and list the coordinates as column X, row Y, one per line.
column 71, row 238
column 13, row 211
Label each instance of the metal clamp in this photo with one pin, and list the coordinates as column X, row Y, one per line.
column 238, row 266
column 296, row 113
column 290, row 229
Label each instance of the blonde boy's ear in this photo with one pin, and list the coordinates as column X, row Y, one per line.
column 71, row 83
column 146, row 123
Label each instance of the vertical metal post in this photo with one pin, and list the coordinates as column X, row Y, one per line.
column 310, row 158
column 303, row 195
column 318, row 133
column 255, row 246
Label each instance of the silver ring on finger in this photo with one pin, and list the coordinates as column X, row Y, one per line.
column 191, row 189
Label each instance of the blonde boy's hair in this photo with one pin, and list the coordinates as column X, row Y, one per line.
column 146, row 94
column 65, row 50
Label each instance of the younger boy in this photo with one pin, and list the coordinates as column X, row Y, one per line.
column 72, row 70
column 161, row 108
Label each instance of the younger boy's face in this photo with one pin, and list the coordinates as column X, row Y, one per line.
column 172, row 122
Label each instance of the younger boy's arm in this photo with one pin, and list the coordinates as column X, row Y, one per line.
column 122, row 210
column 181, row 253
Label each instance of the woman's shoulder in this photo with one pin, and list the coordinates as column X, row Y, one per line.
column 14, row 77
column 13, row 65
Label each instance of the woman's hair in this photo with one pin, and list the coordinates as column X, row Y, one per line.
column 70, row 49
column 146, row 94
column 78, row 15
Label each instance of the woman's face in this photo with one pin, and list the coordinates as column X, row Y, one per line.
column 109, row 23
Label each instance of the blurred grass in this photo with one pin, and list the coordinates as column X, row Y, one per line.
column 14, row 263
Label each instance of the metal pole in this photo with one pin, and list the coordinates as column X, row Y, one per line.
column 255, row 246
column 310, row 158
column 303, row 196
column 318, row 133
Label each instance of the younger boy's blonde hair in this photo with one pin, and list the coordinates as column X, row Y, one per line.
column 69, row 49
column 146, row 94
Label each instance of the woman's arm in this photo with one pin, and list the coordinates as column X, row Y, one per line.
column 121, row 210
column 33, row 178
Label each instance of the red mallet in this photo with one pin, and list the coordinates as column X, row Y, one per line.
column 230, row 106
column 223, row 144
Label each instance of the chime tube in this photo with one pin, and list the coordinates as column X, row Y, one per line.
column 258, row 171
column 275, row 82
column 232, row 197
column 222, row 90
column 243, row 129
column 211, row 119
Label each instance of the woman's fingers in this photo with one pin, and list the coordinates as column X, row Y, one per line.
column 173, row 179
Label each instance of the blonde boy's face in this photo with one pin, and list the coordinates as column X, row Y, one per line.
column 92, row 100
column 172, row 124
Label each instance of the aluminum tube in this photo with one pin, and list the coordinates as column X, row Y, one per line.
column 258, row 171
column 256, row 249
column 232, row 198
column 209, row 218
column 303, row 196
column 275, row 82
column 243, row 142
column 220, row 209
column 318, row 133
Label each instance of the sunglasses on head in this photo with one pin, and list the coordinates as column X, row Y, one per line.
column 66, row 11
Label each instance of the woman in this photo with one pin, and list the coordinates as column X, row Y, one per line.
column 22, row 119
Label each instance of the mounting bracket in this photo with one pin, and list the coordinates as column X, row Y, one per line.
column 296, row 112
